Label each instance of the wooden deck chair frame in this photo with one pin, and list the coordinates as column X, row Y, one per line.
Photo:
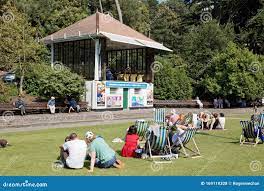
column 248, row 132
column 189, row 135
column 160, row 143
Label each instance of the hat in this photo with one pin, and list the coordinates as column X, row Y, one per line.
column 89, row 135
column 52, row 97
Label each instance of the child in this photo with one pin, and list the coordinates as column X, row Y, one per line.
column 132, row 142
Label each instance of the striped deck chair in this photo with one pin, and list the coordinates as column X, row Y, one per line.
column 160, row 144
column 260, row 123
column 187, row 137
column 159, row 116
column 248, row 132
column 142, row 128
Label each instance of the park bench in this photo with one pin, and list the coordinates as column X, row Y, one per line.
column 40, row 107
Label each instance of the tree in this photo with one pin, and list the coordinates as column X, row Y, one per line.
column 165, row 27
column 253, row 33
column 52, row 15
column 171, row 80
column 119, row 11
column 235, row 73
column 18, row 48
column 201, row 44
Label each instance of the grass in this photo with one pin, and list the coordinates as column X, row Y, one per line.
column 33, row 153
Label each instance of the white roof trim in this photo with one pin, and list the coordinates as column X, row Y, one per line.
column 134, row 41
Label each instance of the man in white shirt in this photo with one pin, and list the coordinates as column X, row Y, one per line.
column 73, row 152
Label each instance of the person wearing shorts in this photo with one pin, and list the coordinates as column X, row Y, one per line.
column 102, row 156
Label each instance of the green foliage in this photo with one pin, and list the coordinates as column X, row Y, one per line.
column 42, row 80
column 236, row 73
column 166, row 26
column 7, row 91
column 18, row 46
column 51, row 15
column 171, row 81
column 202, row 43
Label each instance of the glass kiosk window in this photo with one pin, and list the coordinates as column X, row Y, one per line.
column 137, row 91
column 113, row 90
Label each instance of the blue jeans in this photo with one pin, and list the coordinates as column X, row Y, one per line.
column 106, row 164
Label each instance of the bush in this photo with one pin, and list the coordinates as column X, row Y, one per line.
column 236, row 73
column 41, row 80
column 7, row 91
column 171, row 81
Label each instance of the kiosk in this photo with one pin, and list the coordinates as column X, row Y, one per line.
column 115, row 60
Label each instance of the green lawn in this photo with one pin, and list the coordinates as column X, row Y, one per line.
column 33, row 153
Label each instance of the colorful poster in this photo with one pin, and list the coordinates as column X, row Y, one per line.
column 137, row 101
column 150, row 97
column 100, row 89
column 114, row 101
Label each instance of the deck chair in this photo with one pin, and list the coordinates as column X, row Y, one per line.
column 142, row 129
column 260, row 123
column 159, row 116
column 160, row 144
column 187, row 137
column 248, row 132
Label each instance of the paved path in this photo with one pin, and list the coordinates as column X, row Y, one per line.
column 64, row 120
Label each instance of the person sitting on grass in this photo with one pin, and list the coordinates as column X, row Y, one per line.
column 101, row 154
column 132, row 142
column 73, row 106
column 73, row 152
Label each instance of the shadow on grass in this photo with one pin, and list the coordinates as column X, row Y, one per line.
column 207, row 134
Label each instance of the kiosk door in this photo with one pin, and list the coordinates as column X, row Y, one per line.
column 125, row 98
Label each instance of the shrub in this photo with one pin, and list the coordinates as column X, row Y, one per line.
column 171, row 81
column 7, row 91
column 41, row 80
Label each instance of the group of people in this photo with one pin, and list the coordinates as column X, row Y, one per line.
column 75, row 151
column 210, row 121
column 219, row 103
column 69, row 101
column 71, row 104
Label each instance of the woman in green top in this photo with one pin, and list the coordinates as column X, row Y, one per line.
column 101, row 154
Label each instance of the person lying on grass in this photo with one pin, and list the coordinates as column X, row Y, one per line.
column 73, row 152
column 101, row 154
